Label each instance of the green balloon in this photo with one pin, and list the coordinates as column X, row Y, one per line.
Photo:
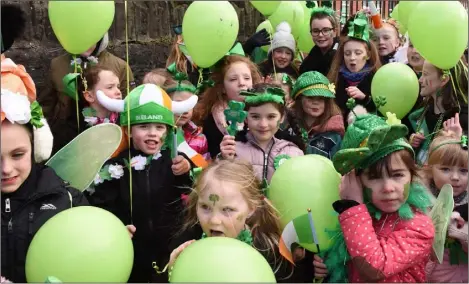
column 302, row 183
column 209, row 29
column 220, row 259
column 81, row 244
column 305, row 41
column 268, row 26
column 405, row 10
column 78, row 25
column 266, row 8
column 399, row 84
column 290, row 12
column 395, row 13
column 438, row 30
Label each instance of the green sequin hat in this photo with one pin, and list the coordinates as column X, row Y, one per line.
column 313, row 84
column 368, row 139
column 269, row 95
column 359, row 28
column 147, row 103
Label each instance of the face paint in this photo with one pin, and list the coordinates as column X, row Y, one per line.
column 214, row 198
column 406, row 191
column 240, row 217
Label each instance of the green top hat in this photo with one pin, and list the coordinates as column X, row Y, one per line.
column 313, row 84
column 359, row 28
column 369, row 139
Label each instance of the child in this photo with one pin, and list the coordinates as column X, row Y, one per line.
column 234, row 74
column 28, row 188
column 388, row 41
column 286, row 82
column 151, row 204
column 160, row 77
column 316, row 114
column 229, row 191
column 385, row 234
column 354, row 66
column 265, row 110
column 448, row 164
column 193, row 135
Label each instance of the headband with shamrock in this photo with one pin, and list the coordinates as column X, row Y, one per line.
column 269, row 95
column 322, row 10
column 462, row 142
column 359, row 28
column 179, row 77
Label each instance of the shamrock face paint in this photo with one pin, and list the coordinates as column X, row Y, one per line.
column 431, row 80
column 222, row 210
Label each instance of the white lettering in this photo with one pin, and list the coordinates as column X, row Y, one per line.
column 147, row 117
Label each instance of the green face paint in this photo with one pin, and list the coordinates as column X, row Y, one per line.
column 214, row 198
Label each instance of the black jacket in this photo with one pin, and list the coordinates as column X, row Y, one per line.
column 341, row 96
column 214, row 136
column 156, row 208
column 302, row 272
column 42, row 195
column 316, row 61
column 267, row 69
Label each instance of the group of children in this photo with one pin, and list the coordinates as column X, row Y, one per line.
column 239, row 130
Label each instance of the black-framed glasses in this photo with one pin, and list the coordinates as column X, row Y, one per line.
column 325, row 31
column 177, row 29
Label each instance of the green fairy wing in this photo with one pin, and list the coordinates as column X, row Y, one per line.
column 440, row 214
column 81, row 159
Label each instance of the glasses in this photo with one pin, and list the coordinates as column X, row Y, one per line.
column 325, row 31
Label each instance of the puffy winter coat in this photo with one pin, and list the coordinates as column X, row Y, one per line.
column 387, row 250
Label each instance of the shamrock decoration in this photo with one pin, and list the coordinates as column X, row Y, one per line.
column 392, row 119
column 380, row 101
column 464, row 142
column 304, row 135
column 234, row 114
column 214, row 198
column 280, row 159
column 36, row 115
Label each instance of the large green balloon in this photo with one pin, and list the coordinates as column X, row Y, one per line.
column 266, row 8
column 305, row 41
column 395, row 13
column 438, row 30
column 398, row 83
column 268, row 26
column 405, row 10
column 302, row 183
column 81, row 244
column 210, row 29
column 290, row 12
column 78, row 25
column 220, row 259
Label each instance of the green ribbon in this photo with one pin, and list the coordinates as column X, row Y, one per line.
column 359, row 28
column 236, row 50
column 36, row 115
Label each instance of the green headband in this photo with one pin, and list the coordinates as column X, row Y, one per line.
column 462, row 142
column 359, row 29
column 179, row 77
column 322, row 10
column 270, row 95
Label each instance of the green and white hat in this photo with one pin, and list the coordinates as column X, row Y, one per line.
column 313, row 84
column 147, row 103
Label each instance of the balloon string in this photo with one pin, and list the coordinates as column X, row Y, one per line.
column 77, row 108
column 128, row 109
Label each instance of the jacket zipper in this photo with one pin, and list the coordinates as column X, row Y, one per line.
column 7, row 205
column 30, row 223
column 150, row 220
column 266, row 158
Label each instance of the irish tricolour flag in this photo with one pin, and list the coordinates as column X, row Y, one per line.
column 183, row 147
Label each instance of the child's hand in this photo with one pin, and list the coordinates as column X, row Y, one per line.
column 355, row 93
column 174, row 255
column 351, row 188
column 416, row 139
column 320, row 269
column 228, row 147
column 180, row 166
column 453, row 125
column 131, row 229
column 298, row 254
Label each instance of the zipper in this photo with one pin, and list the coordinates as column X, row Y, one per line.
column 30, row 223
column 266, row 158
column 7, row 205
column 150, row 220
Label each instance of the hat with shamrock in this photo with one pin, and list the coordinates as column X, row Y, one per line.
column 368, row 139
column 18, row 105
column 313, row 84
column 147, row 103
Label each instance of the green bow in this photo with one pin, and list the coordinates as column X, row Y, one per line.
column 70, row 85
column 36, row 115
column 359, row 29
column 236, row 50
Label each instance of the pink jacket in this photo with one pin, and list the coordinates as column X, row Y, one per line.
column 445, row 272
column 263, row 163
column 388, row 250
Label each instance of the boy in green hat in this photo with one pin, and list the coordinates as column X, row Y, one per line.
column 385, row 234
column 315, row 116
column 147, row 199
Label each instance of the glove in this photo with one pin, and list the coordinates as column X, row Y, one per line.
column 258, row 39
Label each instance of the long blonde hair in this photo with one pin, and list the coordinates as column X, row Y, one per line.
column 264, row 223
column 176, row 56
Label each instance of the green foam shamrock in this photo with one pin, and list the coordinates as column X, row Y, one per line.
column 234, row 114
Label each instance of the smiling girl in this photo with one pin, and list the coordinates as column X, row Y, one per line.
column 354, row 66
column 234, row 74
column 257, row 143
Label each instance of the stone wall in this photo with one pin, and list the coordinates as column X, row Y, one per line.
column 149, row 26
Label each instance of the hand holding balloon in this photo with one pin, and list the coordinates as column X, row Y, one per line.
column 131, row 229
column 228, row 147
column 355, row 93
column 416, row 139
column 351, row 188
